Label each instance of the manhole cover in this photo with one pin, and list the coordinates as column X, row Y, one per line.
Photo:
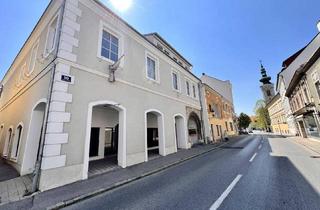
column 229, row 147
column 315, row 156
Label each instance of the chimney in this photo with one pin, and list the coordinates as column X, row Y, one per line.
column 318, row 25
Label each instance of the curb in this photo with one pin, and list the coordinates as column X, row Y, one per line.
column 125, row 182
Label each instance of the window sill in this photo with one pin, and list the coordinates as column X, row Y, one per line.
column 153, row 80
column 106, row 59
column 176, row 91
column 110, row 62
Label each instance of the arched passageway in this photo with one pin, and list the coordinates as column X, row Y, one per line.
column 194, row 129
column 105, row 138
column 154, row 133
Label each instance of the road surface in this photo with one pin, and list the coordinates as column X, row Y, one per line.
column 255, row 172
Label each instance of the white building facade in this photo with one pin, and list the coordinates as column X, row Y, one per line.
column 60, row 90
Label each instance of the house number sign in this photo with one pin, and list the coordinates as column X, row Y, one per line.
column 66, row 78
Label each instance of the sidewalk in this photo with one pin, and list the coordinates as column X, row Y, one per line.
column 313, row 145
column 14, row 189
column 12, row 186
column 66, row 195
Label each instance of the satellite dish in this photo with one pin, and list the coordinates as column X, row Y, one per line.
column 114, row 67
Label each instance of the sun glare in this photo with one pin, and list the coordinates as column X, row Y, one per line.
column 121, row 5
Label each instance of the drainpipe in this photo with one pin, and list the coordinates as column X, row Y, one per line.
column 37, row 171
column 201, row 112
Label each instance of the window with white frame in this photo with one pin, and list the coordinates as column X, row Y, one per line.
column 188, row 87
column 33, row 59
column 175, row 80
column 51, row 36
column 194, row 91
column 151, row 64
column 109, row 46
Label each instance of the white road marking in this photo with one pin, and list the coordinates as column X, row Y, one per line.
column 223, row 196
column 254, row 155
column 260, row 146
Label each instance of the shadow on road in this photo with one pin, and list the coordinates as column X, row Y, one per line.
column 273, row 182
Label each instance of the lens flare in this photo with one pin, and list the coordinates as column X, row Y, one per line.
column 121, row 5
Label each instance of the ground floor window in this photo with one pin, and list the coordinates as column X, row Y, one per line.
column 16, row 142
column 311, row 125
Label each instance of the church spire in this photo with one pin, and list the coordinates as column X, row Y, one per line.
column 265, row 79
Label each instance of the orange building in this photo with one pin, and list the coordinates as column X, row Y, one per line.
column 221, row 114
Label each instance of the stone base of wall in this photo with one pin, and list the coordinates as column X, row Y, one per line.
column 58, row 177
column 170, row 150
column 136, row 158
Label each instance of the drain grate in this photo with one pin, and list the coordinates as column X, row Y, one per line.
column 229, row 147
column 315, row 156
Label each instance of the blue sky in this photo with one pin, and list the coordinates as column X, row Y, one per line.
column 224, row 39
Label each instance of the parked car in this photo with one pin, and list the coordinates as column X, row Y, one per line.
column 243, row 132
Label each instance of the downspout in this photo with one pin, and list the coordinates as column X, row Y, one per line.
column 37, row 171
column 201, row 112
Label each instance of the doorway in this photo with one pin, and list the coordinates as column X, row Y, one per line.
column 94, row 142
column 194, row 129
column 105, row 141
column 154, row 134
column 180, row 132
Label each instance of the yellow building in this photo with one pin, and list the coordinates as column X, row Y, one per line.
column 277, row 115
column 221, row 114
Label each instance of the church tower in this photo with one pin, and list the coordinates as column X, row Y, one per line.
column 267, row 87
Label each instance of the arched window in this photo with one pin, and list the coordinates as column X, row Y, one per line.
column 7, row 143
column 268, row 93
column 16, row 142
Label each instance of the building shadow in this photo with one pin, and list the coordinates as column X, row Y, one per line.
column 7, row 172
column 274, row 182
column 288, row 188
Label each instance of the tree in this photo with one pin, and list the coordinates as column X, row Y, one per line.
column 244, row 120
column 263, row 119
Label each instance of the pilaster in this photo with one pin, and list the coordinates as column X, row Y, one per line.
column 58, row 116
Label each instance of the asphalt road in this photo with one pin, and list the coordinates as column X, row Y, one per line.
column 255, row 172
